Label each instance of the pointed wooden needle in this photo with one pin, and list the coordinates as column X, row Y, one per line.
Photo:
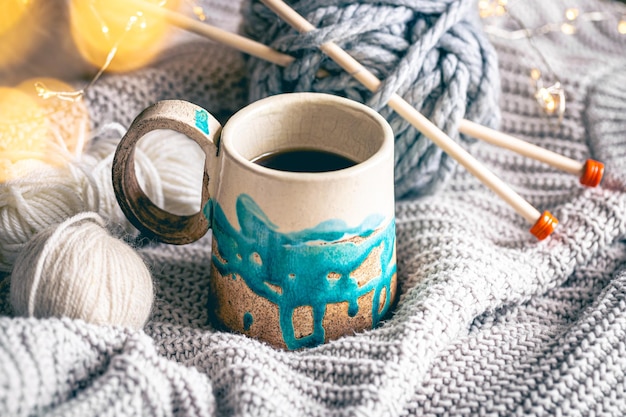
column 590, row 172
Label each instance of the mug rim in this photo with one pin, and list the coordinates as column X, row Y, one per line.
column 379, row 156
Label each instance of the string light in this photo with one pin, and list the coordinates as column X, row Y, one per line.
column 108, row 15
column 197, row 9
column 489, row 8
column 33, row 129
column 68, row 119
column 572, row 18
column 551, row 98
column 128, row 37
column 44, row 92
column 571, row 14
column 73, row 95
column 100, row 27
column 621, row 26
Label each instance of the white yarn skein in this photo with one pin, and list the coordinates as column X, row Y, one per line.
column 100, row 169
column 42, row 196
column 78, row 270
column 179, row 161
column 169, row 169
column 168, row 166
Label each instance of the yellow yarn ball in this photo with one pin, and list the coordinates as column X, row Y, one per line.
column 77, row 269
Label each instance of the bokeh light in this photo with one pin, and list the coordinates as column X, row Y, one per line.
column 18, row 30
column 11, row 12
column 23, row 130
column 32, row 128
column 68, row 119
column 99, row 26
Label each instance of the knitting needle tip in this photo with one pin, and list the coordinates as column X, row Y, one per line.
column 544, row 226
column 591, row 177
column 592, row 173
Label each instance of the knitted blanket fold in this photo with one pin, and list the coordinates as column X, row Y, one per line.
column 489, row 321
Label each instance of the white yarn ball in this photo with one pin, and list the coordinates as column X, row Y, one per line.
column 78, row 270
column 41, row 196
column 169, row 169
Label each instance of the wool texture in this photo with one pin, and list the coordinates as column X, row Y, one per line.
column 45, row 195
column 433, row 54
column 77, row 269
column 489, row 321
column 168, row 167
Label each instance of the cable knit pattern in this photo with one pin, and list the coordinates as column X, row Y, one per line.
column 489, row 321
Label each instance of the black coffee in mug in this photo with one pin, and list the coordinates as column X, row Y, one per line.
column 304, row 160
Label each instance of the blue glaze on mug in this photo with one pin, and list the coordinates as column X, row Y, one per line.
column 247, row 320
column 202, row 120
column 311, row 267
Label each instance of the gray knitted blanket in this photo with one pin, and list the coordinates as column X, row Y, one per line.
column 489, row 321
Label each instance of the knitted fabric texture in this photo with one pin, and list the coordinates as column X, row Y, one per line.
column 432, row 53
column 489, row 321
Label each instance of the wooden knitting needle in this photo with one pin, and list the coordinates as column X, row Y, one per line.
column 590, row 173
column 542, row 223
column 233, row 40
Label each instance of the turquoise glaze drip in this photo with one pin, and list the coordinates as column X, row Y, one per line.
column 202, row 120
column 300, row 263
column 247, row 320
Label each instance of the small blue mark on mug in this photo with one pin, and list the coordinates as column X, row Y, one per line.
column 247, row 321
column 202, row 120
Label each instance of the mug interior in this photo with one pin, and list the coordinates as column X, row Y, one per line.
column 306, row 121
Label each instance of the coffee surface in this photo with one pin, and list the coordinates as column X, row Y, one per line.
column 304, row 160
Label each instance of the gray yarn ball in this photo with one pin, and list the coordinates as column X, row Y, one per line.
column 432, row 53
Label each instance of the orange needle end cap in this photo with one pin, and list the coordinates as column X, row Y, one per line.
column 592, row 173
column 544, row 226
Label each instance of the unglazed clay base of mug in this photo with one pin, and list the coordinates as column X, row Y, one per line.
column 294, row 310
column 239, row 314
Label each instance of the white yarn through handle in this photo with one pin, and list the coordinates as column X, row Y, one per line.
column 169, row 170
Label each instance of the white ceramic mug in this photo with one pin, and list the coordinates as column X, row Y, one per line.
column 299, row 258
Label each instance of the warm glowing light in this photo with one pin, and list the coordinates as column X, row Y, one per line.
column 33, row 128
column 548, row 101
column 102, row 26
column 551, row 99
column 571, row 14
column 535, row 74
column 199, row 12
column 11, row 12
column 568, row 28
column 68, row 119
column 621, row 26
column 23, row 130
column 19, row 30
column 489, row 8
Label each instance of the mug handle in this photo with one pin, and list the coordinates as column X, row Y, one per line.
column 190, row 120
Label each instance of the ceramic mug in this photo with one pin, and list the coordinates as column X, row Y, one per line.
column 298, row 258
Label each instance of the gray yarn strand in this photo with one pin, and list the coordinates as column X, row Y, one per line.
column 433, row 54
